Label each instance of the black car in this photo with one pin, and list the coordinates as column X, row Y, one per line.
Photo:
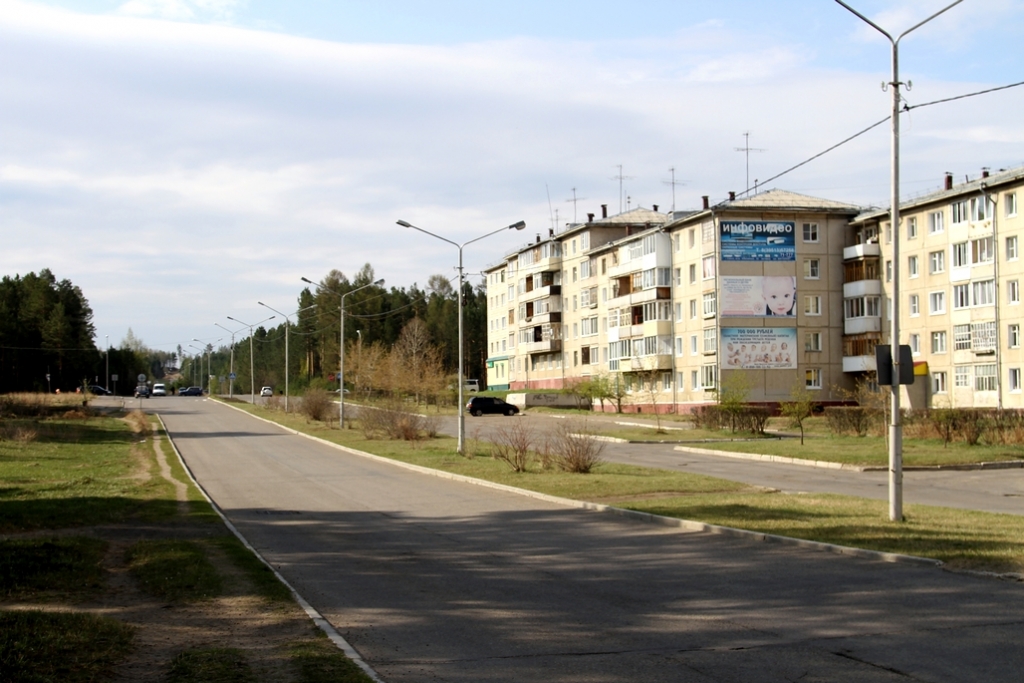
column 97, row 390
column 142, row 391
column 190, row 391
column 481, row 405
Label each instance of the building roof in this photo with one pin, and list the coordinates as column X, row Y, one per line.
column 1002, row 177
column 784, row 199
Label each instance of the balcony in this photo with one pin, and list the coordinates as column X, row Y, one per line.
column 867, row 323
column 541, row 293
column 862, row 288
column 641, row 296
column 547, row 346
column 861, row 250
column 542, row 319
column 859, row 364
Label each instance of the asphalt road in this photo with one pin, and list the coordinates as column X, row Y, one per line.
column 435, row 580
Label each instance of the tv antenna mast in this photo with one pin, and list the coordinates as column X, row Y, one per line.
column 747, row 149
column 574, row 201
column 620, row 178
column 673, row 183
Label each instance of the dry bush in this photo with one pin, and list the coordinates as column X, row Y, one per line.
column 138, row 422
column 274, row 403
column 512, row 445
column 317, row 405
column 392, row 421
column 574, row 449
column 17, row 432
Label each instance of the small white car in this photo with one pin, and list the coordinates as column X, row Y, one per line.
column 159, row 390
column 266, row 391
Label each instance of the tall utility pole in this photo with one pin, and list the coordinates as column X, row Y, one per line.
column 895, row 428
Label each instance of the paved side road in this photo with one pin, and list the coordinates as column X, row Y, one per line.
column 435, row 580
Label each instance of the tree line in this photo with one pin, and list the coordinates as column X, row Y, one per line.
column 375, row 317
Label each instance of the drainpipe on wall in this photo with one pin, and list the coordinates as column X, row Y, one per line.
column 998, row 301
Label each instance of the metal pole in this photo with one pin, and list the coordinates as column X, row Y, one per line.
column 106, row 384
column 231, row 379
column 895, row 429
column 252, row 365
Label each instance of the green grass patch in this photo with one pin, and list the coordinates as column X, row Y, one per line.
column 320, row 661
column 78, row 472
column 174, row 570
column 51, row 568
column 46, row 647
column 263, row 580
column 212, row 665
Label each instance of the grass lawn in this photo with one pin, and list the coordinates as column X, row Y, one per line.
column 963, row 539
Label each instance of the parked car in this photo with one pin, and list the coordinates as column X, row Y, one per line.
column 266, row 391
column 190, row 391
column 488, row 405
column 142, row 391
column 97, row 390
column 159, row 390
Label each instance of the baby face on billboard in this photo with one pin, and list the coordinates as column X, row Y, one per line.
column 779, row 294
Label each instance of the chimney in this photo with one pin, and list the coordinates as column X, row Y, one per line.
column 984, row 172
column 590, row 218
column 604, row 211
column 551, row 232
column 707, row 205
column 732, row 196
column 655, row 208
column 538, row 238
column 949, row 180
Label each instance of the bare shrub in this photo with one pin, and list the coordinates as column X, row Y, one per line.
column 431, row 426
column 848, row 420
column 17, row 432
column 317, row 405
column 574, row 449
column 274, row 403
column 512, row 445
column 138, row 421
column 392, row 421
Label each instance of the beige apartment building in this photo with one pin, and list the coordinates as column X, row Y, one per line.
column 767, row 295
column 959, row 287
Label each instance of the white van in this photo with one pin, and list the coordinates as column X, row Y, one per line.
column 159, row 390
column 472, row 385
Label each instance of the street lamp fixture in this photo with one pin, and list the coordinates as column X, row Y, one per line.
column 341, row 345
column 252, row 365
column 287, row 325
column 462, row 414
column 231, row 375
column 895, row 428
column 209, row 361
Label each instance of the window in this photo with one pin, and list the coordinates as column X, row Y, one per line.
column 695, row 379
column 812, row 341
column 1013, row 292
column 693, row 273
column 812, row 305
column 1010, row 204
column 888, row 271
column 961, row 296
column 983, row 293
column 936, row 262
column 588, row 327
column 915, row 305
column 983, row 337
column 912, row 228
column 679, row 346
column 692, row 237
column 1011, row 248
column 710, row 307
column 693, row 309
column 679, row 277
column 693, row 345
column 915, row 344
column 961, row 337
column 861, row 306
column 1013, row 336
column 938, row 383
column 962, row 376
column 935, row 222
column 937, row 303
column 810, row 232
column 812, row 269
column 584, row 269
column 960, row 255
column 710, row 340
column 888, row 233
column 981, row 208
column 982, row 250
column 812, row 378
column 958, row 209
column 985, row 377
column 709, row 376
column 938, row 342
column 708, row 268
column 912, row 266
column 1014, row 378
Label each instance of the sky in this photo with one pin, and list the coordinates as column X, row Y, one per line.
column 180, row 160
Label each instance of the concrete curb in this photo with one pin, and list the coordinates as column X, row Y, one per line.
column 317, row 618
column 682, row 524
column 824, row 464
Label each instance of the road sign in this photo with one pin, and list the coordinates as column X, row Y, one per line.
column 233, row 376
column 113, row 377
column 141, row 378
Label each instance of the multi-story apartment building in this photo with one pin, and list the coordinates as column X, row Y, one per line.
column 959, row 287
column 769, row 294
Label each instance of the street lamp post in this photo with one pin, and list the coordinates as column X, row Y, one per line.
column 341, row 345
column 106, row 385
column 208, row 350
column 895, row 428
column 252, row 365
column 287, row 324
column 231, row 375
column 462, row 416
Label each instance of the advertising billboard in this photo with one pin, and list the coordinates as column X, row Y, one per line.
column 758, row 296
column 759, row 348
column 758, row 240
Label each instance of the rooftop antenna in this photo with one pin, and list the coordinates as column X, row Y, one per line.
column 747, row 149
column 673, row 183
column 620, row 178
column 551, row 211
column 574, row 200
